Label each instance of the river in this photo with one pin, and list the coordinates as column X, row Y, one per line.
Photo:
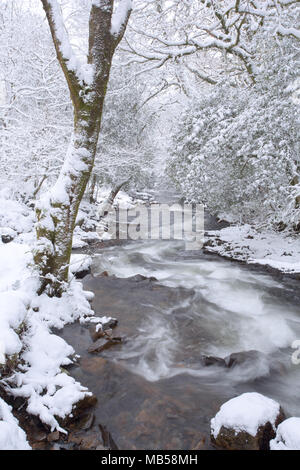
column 155, row 390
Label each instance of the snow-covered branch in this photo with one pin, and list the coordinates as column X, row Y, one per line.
column 120, row 19
column 75, row 73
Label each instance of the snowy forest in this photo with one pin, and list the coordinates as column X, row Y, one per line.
column 113, row 107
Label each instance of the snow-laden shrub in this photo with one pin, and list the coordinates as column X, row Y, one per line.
column 237, row 148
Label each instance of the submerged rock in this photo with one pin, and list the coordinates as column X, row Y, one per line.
column 103, row 343
column 247, row 422
column 140, row 278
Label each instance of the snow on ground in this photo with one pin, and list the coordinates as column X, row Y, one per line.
column 26, row 321
column 277, row 250
column 15, row 217
column 246, row 412
column 50, row 392
column 11, row 435
column 288, row 435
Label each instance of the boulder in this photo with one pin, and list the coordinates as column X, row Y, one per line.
column 7, row 234
column 287, row 436
column 80, row 265
column 256, row 361
column 82, row 274
column 208, row 361
column 243, row 357
column 247, row 422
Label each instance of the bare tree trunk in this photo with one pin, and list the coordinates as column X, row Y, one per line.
column 57, row 210
column 107, row 204
column 38, row 188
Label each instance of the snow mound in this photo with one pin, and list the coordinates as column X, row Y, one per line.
column 247, row 413
column 14, row 271
column 288, row 435
column 12, row 437
column 13, row 310
column 14, row 302
column 78, row 243
column 16, row 216
column 80, row 263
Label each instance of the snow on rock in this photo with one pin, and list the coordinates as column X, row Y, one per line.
column 288, row 435
column 278, row 250
column 7, row 234
column 243, row 422
column 12, row 437
column 246, row 413
column 78, row 243
column 13, row 311
column 124, row 201
column 15, row 216
column 80, row 263
column 81, row 238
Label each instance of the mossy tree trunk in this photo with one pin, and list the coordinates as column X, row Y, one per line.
column 57, row 210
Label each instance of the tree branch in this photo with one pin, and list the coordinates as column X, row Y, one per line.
column 120, row 19
column 65, row 54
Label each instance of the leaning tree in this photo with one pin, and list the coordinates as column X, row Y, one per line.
column 87, row 82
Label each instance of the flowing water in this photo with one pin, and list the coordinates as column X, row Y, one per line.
column 154, row 392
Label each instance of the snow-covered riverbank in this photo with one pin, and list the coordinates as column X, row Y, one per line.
column 32, row 358
column 277, row 250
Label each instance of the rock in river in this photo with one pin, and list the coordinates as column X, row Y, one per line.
column 104, row 343
column 247, row 422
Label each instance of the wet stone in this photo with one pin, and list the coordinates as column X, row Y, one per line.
column 89, row 401
column 112, row 323
column 103, row 344
column 208, row 361
column 243, row 357
column 96, row 334
column 53, row 436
